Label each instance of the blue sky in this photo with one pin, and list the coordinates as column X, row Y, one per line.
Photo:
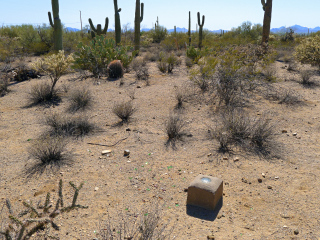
column 219, row 14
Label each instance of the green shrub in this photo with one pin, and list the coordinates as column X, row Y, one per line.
column 96, row 56
column 158, row 34
column 308, row 52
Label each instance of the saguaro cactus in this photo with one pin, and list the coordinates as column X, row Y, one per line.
column 267, row 8
column 117, row 21
column 98, row 30
column 189, row 28
column 200, row 29
column 56, row 24
column 157, row 23
column 137, row 20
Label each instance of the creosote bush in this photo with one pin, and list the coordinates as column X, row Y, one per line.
column 174, row 127
column 80, row 99
column 124, row 111
column 306, row 77
column 139, row 65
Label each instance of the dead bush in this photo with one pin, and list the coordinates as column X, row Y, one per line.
column 42, row 93
column 80, row 99
column 124, row 111
column 69, row 125
column 4, row 83
column 306, row 77
column 174, row 127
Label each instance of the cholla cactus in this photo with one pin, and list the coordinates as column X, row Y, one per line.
column 309, row 51
column 55, row 66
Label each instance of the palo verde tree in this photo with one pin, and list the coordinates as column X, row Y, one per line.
column 267, row 8
column 56, row 24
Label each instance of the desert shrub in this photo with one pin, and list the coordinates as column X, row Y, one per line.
column 22, row 73
column 49, row 152
column 96, row 56
column 236, row 128
column 171, row 61
column 55, row 65
column 203, row 74
column 174, row 127
column 151, row 56
column 269, row 73
column 306, row 76
column 137, row 63
column 4, row 83
column 115, row 69
column 75, row 125
column 37, row 221
column 194, row 54
column 124, row 111
column 288, row 97
column 42, row 93
column 188, row 62
column 174, row 41
column 80, row 99
column 158, row 34
column 162, row 65
column 141, row 69
column 308, row 52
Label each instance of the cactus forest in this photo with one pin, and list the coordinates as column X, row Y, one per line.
column 159, row 127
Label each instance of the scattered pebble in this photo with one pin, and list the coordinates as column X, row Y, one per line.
column 126, row 152
column 225, row 158
column 210, row 237
column 259, row 180
column 263, row 175
column 294, row 134
column 236, row 159
column 105, row 152
column 296, row 232
column 284, row 131
column 269, row 187
column 96, row 189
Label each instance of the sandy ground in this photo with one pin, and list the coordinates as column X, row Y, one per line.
column 154, row 173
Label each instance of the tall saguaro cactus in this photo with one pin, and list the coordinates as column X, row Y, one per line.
column 137, row 20
column 189, row 28
column 200, row 29
column 56, row 24
column 98, row 30
column 267, row 8
column 117, row 21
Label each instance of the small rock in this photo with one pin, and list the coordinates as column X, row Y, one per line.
column 276, row 177
column 296, row 232
column 236, row 159
column 209, row 154
column 244, row 180
column 128, row 129
column 138, row 86
column 294, row 134
column 210, row 237
column 263, row 175
column 284, row 131
column 126, row 152
column 96, row 189
column 225, row 158
column 105, row 152
column 259, row 180
column 269, row 187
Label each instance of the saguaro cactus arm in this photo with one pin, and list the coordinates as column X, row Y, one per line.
column 92, row 26
column 50, row 19
column 199, row 23
column 142, row 7
column 263, row 5
column 56, row 25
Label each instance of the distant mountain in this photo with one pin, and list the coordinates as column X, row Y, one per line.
column 296, row 28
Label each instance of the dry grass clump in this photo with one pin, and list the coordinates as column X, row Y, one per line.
column 236, row 129
column 80, row 99
column 4, row 83
column 124, row 111
column 49, row 152
column 139, row 65
column 147, row 225
column 42, row 93
column 174, row 127
column 306, row 78
column 69, row 125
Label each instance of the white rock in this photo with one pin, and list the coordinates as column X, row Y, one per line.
column 105, row 152
column 96, row 189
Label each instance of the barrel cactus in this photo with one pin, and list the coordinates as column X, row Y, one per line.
column 115, row 69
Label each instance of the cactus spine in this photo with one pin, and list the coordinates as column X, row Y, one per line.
column 200, row 29
column 267, row 8
column 117, row 22
column 98, row 30
column 189, row 28
column 56, row 24
column 137, row 20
